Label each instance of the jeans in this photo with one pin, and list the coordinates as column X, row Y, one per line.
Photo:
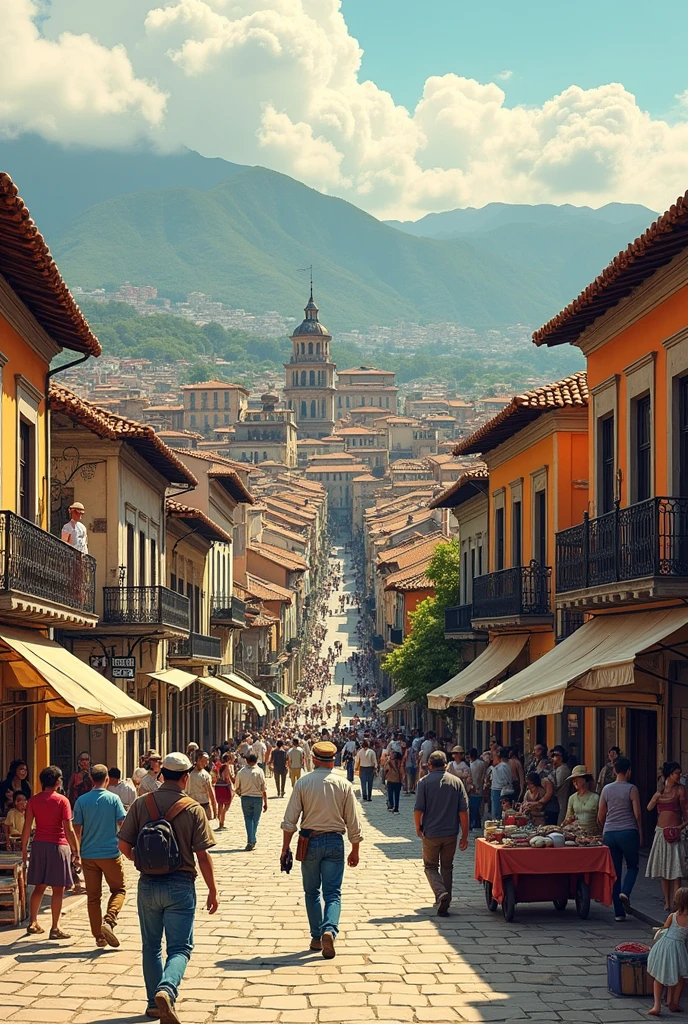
column 496, row 803
column 474, row 807
column 280, row 780
column 252, row 807
column 411, row 777
column 624, row 845
column 166, row 904
column 350, row 769
column 393, row 791
column 322, row 872
column 112, row 869
column 438, row 861
column 367, row 776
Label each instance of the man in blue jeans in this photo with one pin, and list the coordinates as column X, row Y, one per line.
column 167, row 902
column 622, row 831
column 366, row 760
column 250, row 786
column 326, row 805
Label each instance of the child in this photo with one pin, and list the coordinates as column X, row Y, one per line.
column 14, row 822
column 667, row 963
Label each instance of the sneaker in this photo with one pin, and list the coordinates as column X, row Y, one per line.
column 316, row 945
column 395, row 812
column 108, row 934
column 248, row 847
column 619, row 917
column 164, row 1003
column 153, row 1012
column 328, row 950
column 626, row 900
column 443, row 905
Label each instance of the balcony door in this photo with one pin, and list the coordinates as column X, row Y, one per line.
column 499, row 539
column 606, row 465
column 683, row 437
column 643, row 449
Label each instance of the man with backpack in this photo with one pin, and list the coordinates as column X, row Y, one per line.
column 161, row 833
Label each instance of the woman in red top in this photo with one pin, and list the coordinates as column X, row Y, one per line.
column 50, row 851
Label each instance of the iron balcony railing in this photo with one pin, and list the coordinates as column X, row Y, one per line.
column 522, row 590
column 35, row 563
column 150, row 606
column 647, row 539
column 197, row 647
column 458, row 619
column 568, row 622
column 227, row 608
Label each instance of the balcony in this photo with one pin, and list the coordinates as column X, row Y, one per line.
column 519, row 596
column 458, row 623
column 195, row 648
column 228, row 611
column 44, row 581
column 396, row 636
column 145, row 609
column 632, row 554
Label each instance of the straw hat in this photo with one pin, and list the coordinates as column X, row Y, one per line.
column 581, row 772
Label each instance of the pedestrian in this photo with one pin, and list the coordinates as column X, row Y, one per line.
column 621, row 819
column 74, row 532
column 250, row 786
column 425, row 749
column 167, row 891
column 500, row 779
column 50, row 859
column 367, row 765
column 665, row 861
column 124, row 790
column 97, row 817
column 295, row 760
column 608, row 773
column 325, row 804
column 441, row 810
column 278, row 763
column 394, row 774
column 475, row 799
column 80, row 781
column 150, row 782
column 200, row 787
column 224, row 788
column 667, row 963
column 559, row 777
column 259, row 749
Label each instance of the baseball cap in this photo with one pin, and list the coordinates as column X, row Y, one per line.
column 176, row 762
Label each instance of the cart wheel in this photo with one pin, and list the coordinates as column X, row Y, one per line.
column 560, row 904
column 491, row 903
column 509, row 901
column 582, row 899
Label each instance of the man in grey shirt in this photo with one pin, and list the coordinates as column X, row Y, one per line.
column 441, row 809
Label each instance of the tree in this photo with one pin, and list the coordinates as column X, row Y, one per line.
column 425, row 660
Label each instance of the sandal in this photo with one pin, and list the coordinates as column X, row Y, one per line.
column 57, row 933
column 35, row 929
column 101, row 942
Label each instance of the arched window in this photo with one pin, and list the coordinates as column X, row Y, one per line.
column 310, row 348
column 304, row 414
column 311, row 378
column 314, row 412
column 303, row 378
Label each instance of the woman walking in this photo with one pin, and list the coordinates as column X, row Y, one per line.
column 224, row 788
column 393, row 777
column 50, row 857
column 665, row 861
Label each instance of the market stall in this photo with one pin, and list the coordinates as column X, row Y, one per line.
column 529, row 874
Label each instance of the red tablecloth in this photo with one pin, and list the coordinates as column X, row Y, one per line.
column 493, row 862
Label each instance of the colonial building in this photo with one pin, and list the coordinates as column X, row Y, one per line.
column 366, row 387
column 310, row 385
column 265, row 435
column 212, row 403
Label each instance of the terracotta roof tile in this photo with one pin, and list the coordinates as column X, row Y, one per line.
column 139, row 436
column 31, row 272
column 468, row 482
column 221, row 460
column 208, row 385
column 569, row 393
column 409, row 580
column 289, row 559
column 421, row 549
column 274, row 528
column 267, row 591
column 232, row 483
column 202, row 524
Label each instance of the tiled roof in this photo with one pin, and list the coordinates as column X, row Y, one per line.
column 214, row 385
column 663, row 240
column 221, row 460
column 199, row 520
column 569, row 393
column 139, row 436
column 337, row 467
column 364, row 478
column 31, row 272
column 290, row 510
column 232, row 483
column 263, row 619
column 421, row 548
column 267, row 591
column 289, row 559
column 408, row 580
column 366, row 371
column 463, row 489
column 274, row 528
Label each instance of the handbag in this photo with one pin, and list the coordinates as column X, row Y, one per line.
column 672, row 833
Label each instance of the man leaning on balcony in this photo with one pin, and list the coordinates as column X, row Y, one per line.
column 74, row 532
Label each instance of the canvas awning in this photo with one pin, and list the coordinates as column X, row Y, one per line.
column 74, row 688
column 600, row 655
column 281, row 699
column 223, row 686
column 174, row 677
column 255, row 691
column 488, row 666
column 395, row 701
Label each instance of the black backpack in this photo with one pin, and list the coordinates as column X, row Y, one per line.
column 157, row 849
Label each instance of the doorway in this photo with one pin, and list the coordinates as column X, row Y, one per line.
column 641, row 731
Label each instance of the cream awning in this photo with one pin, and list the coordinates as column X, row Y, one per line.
column 598, row 656
column 488, row 666
column 76, row 688
column 395, row 701
column 225, row 687
column 174, row 677
column 243, row 684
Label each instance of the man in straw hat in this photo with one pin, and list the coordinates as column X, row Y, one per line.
column 326, row 805
column 74, row 532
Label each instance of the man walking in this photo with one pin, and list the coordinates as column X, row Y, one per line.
column 201, row 787
column 259, row 749
column 367, row 764
column 326, row 805
column 424, row 751
column 295, row 759
column 250, row 786
column 278, row 762
column 348, row 755
column 441, row 809
column 97, row 815
column 124, row 790
column 167, row 901
column 150, row 782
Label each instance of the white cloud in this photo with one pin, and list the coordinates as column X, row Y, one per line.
column 278, row 82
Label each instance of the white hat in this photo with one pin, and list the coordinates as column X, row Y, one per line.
column 177, row 762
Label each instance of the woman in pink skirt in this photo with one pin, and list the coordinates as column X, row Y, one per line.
column 224, row 788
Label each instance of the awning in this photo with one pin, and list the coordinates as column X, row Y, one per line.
column 600, row 655
column 390, row 703
column 280, row 699
column 487, row 667
column 76, row 689
column 174, row 677
column 222, row 686
column 243, row 684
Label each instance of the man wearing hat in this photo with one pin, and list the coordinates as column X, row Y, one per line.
column 74, row 532
column 441, row 809
column 326, row 805
column 167, row 902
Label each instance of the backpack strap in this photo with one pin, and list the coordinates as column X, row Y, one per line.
column 152, row 806
column 183, row 804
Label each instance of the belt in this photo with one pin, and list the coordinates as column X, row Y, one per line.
column 332, row 832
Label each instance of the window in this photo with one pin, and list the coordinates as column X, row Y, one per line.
column 131, row 544
column 387, row 401
column 347, row 402
column 516, row 533
column 683, row 436
column 499, row 539
column 214, row 399
column 153, row 562
column 339, row 401
column 317, row 348
column 311, row 378
column 304, row 414
column 480, row 559
column 303, row 348
column 192, row 400
column 204, row 400
column 295, row 378
column 322, row 408
column 206, row 421
column 607, row 464
column 216, row 419
column 197, row 609
column 265, row 455
column 226, row 399
column 643, row 449
column 314, row 414
column 310, row 348
column 227, row 416
column 192, row 419
column 142, row 558
column 464, row 578
column 303, row 378
column 540, row 528
column 27, row 470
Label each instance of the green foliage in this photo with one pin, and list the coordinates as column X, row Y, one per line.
column 425, row 660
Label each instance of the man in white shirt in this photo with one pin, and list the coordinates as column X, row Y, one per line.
column 295, row 762
column 367, row 764
column 200, row 785
column 260, row 750
column 348, row 755
column 475, row 799
column 250, row 786
column 124, row 790
column 74, row 532
column 150, row 782
column 424, row 752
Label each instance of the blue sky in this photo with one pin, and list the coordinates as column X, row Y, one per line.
column 547, row 45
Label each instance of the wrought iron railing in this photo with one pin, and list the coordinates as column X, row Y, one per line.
column 269, row 668
column 521, row 590
column 197, row 647
column 649, row 538
column 35, row 563
column 458, row 619
column 568, row 621
column 227, row 608
column 154, row 606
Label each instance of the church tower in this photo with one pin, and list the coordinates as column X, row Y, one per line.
column 310, row 387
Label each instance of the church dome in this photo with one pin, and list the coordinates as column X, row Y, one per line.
column 311, row 326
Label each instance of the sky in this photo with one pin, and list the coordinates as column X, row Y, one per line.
column 400, row 107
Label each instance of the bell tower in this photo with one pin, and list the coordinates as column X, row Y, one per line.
column 309, row 388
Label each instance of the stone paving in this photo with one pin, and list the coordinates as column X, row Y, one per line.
column 396, row 960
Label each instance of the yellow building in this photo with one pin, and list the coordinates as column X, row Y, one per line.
column 212, row 403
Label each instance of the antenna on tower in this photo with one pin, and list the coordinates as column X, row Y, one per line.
column 307, row 270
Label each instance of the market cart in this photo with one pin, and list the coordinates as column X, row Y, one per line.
column 512, row 875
